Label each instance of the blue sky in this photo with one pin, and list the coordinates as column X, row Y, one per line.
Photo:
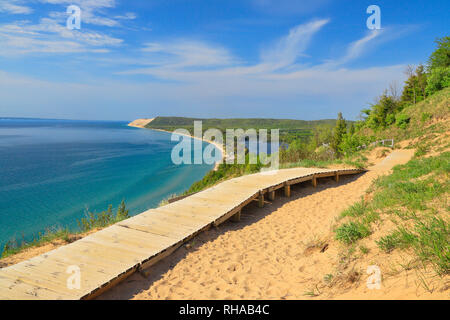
column 304, row 59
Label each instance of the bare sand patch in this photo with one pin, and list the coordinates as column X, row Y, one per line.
column 140, row 123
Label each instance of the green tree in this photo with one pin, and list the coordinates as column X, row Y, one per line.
column 438, row 80
column 440, row 58
column 339, row 131
column 414, row 89
column 439, row 67
column 382, row 113
column 352, row 130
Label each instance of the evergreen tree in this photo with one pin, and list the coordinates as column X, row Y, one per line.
column 414, row 90
column 339, row 131
column 352, row 129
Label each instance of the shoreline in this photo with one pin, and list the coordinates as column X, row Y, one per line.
column 141, row 123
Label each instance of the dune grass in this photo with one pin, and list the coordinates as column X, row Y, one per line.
column 414, row 196
column 352, row 231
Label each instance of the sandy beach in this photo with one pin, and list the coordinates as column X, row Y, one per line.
column 141, row 123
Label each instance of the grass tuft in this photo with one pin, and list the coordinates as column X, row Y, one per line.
column 351, row 232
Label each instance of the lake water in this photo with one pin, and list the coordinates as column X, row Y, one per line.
column 51, row 171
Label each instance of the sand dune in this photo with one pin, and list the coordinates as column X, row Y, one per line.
column 282, row 251
column 140, row 123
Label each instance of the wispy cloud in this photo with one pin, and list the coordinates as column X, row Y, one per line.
column 48, row 36
column 354, row 50
column 286, row 51
column 14, row 7
column 175, row 60
column 188, row 53
column 283, row 71
column 127, row 16
column 193, row 72
column 93, row 11
column 285, row 58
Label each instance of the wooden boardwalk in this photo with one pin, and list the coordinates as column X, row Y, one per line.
column 108, row 256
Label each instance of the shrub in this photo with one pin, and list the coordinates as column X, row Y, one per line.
column 438, row 80
column 402, row 120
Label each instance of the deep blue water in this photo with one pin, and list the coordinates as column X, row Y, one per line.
column 51, row 171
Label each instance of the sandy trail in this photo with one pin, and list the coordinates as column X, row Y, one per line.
column 272, row 253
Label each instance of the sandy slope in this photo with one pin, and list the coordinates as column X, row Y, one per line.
column 140, row 123
column 274, row 253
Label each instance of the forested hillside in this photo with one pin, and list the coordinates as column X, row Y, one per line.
column 289, row 129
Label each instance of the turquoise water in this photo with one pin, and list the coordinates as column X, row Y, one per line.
column 52, row 170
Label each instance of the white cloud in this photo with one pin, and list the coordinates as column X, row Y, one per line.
column 280, row 61
column 48, row 36
column 181, row 54
column 93, row 11
column 309, row 95
column 290, row 47
column 277, row 78
column 14, row 7
column 209, row 78
column 173, row 59
column 127, row 16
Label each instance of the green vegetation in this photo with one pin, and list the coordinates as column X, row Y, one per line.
column 105, row 218
column 429, row 238
column 414, row 196
column 12, row 247
column 326, row 142
column 92, row 221
column 351, row 232
column 356, row 210
column 439, row 67
column 290, row 130
column 364, row 249
column 424, row 98
column 339, row 132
